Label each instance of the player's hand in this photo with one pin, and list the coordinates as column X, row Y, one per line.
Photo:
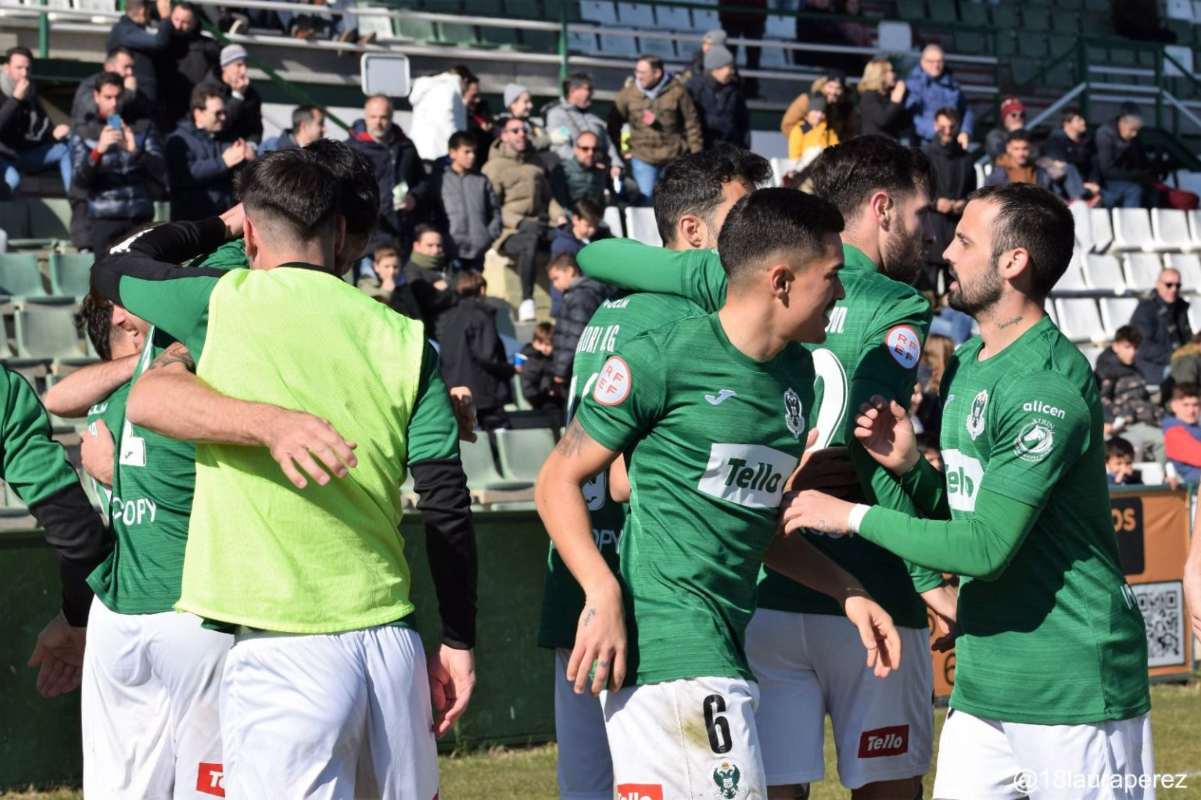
column 235, row 221
column 96, row 452
column 884, row 430
column 21, row 88
column 943, row 602
column 600, row 642
column 58, row 655
column 818, row 511
column 109, row 137
column 61, row 131
column 826, row 469
column 452, row 679
column 878, row 633
column 297, row 441
column 963, row 139
column 464, row 408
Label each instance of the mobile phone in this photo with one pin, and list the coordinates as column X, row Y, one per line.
column 115, row 122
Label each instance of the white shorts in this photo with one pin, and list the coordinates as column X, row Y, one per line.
column 810, row 665
column 333, row 716
column 585, row 770
column 149, row 705
column 982, row 759
column 685, row 739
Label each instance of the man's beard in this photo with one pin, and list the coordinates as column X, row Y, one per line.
column 978, row 298
column 903, row 255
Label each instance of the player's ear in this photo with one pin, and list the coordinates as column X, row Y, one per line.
column 250, row 240
column 881, row 207
column 692, row 230
column 780, row 278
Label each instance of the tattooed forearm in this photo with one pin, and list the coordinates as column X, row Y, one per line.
column 573, row 439
column 176, row 353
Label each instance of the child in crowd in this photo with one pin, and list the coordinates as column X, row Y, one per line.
column 581, row 297
column 1124, row 397
column 537, row 380
column 385, row 261
column 807, row 140
column 1119, row 463
column 473, row 354
column 570, row 239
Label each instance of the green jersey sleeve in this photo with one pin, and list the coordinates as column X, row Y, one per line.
column 34, row 465
column 695, row 275
column 627, row 397
column 433, row 430
column 231, row 255
column 927, row 487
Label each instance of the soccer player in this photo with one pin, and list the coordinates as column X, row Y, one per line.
column 712, row 409
column 800, row 647
column 694, row 194
column 1051, row 673
column 325, row 688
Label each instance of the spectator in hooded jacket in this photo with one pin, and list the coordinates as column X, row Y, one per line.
column 569, row 119
column 473, row 354
column 1125, row 169
column 663, row 122
column 134, row 105
column 200, row 168
column 1162, row 321
column 187, row 62
column 397, row 167
column 581, row 177
column 466, row 206
column 840, row 115
column 1125, row 400
column 720, row 102
column 535, row 366
column 115, row 165
column 29, row 142
column 308, row 125
column 243, row 105
column 437, row 101
column 812, row 134
column 148, row 49
column 931, row 86
column 581, row 297
column 881, row 100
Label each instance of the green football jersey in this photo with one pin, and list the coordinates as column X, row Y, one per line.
column 614, row 323
column 873, row 345
column 154, row 478
column 714, row 435
column 1053, row 635
column 110, row 411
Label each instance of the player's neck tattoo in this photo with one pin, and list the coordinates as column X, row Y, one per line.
column 1008, row 323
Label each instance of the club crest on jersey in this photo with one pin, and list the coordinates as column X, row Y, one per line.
column 904, row 345
column 1035, row 441
column 975, row 416
column 794, row 414
column 727, row 776
column 613, row 382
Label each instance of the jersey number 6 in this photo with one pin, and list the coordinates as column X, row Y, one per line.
column 716, row 725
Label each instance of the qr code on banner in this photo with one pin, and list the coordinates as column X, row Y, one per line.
column 1162, row 606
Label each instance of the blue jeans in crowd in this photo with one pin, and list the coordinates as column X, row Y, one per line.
column 38, row 159
column 1123, row 194
column 646, row 176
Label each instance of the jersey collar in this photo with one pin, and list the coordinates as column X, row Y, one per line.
column 854, row 259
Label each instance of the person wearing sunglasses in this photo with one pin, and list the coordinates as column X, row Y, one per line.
column 1013, row 118
column 1162, row 319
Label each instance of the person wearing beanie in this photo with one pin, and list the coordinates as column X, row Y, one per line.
column 1013, row 118
column 710, row 40
column 720, row 101
column 243, row 105
column 519, row 104
column 813, row 134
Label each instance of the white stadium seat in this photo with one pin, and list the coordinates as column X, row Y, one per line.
column 1170, row 226
column 1116, row 312
column 1102, row 228
column 1194, row 228
column 612, row 219
column 1152, row 472
column 1084, row 226
column 1132, row 230
column 1194, row 312
column 1189, row 267
column 1051, row 312
column 1079, row 319
column 1073, row 276
column 640, row 225
column 1142, row 270
column 1091, row 352
column 1104, row 272
column 636, row 15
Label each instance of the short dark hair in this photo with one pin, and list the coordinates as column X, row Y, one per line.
column 117, row 51
column 18, row 50
column 563, row 261
column 586, row 209
column 654, row 62
column 302, row 114
column 575, row 80
column 109, row 79
column 848, row 173
column 948, row 112
column 543, row 332
column 692, row 183
column 1069, row 113
column 358, row 202
column 293, row 187
column 201, row 95
column 460, row 139
column 464, row 72
column 1129, row 334
column 1181, row 390
column 186, row 6
column 1117, row 446
column 1034, row 219
column 470, row 283
column 1020, row 135
column 422, row 229
column 770, row 221
column 96, row 317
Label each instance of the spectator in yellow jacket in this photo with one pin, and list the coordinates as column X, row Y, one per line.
column 812, row 134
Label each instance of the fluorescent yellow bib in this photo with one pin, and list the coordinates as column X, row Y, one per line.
column 323, row 559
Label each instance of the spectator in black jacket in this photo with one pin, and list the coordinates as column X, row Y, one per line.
column 115, row 164
column 1125, row 400
column 473, row 354
column 720, row 102
column 881, row 100
column 953, row 179
column 29, row 143
column 581, row 177
column 1013, row 118
column 537, row 378
column 243, row 106
column 1071, row 144
column 308, row 125
column 571, row 237
column 148, row 49
column 396, row 165
column 1125, row 170
column 200, row 170
column 581, row 297
column 1162, row 321
column 187, row 62
column 134, row 105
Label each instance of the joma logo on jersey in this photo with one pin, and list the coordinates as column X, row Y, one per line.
column 1039, row 407
column 210, row 779
column 639, row 791
column 964, row 474
column 748, row 475
column 838, row 319
column 884, row 742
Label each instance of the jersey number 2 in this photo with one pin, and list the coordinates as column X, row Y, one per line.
column 716, row 725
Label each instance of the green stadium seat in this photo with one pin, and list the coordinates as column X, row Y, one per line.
column 971, row 42
column 418, row 30
column 1005, row 17
column 523, row 451
column 487, row 8
column 19, row 275
column 48, row 332
column 1007, row 46
column 1094, row 24
column 482, row 474
column 49, row 218
column 457, row 33
column 14, row 219
column 973, row 14
column 554, row 7
column 12, row 506
column 524, row 9
column 519, row 397
column 1036, row 18
column 1060, row 44
column 540, row 41
column 911, row 9
column 71, row 274
column 1064, row 21
column 1032, row 45
column 943, row 11
column 499, row 37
